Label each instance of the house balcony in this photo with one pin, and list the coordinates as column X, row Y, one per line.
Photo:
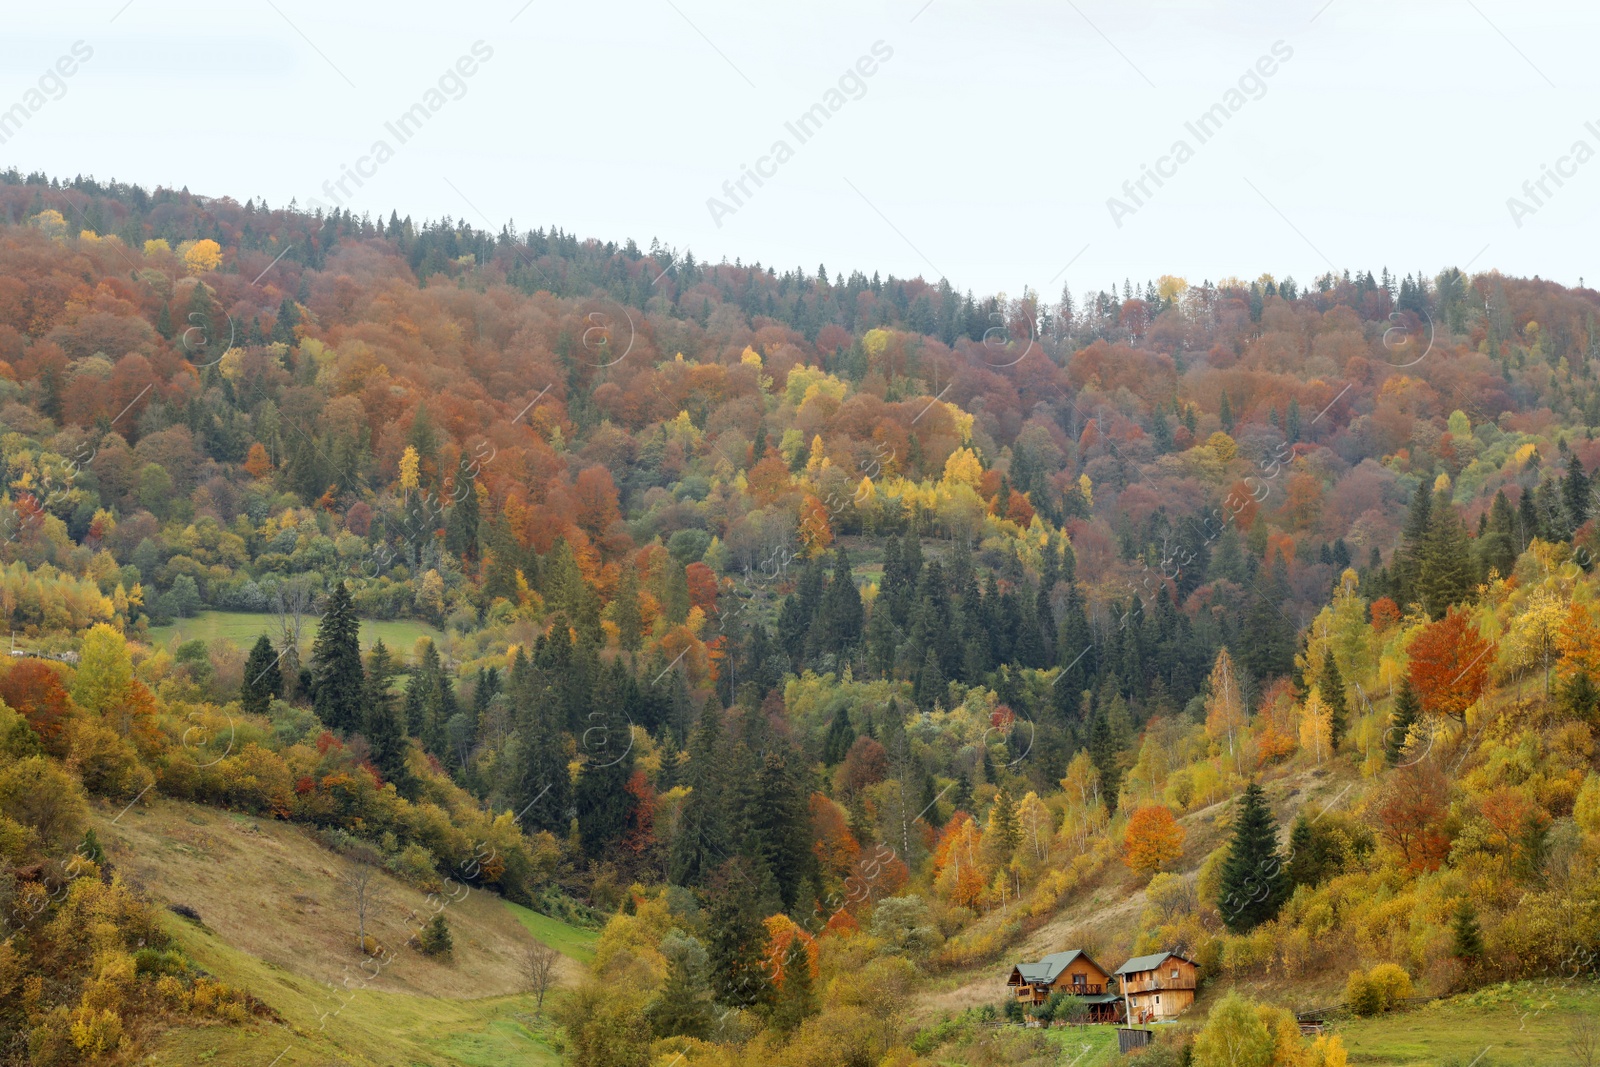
column 1157, row 985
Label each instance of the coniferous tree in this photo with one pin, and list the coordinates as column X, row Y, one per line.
column 1575, row 492
column 1466, row 939
column 841, row 735
column 461, row 529
column 738, row 940
column 1407, row 709
column 839, row 614
column 1331, row 685
column 683, row 1007
column 1497, row 545
column 542, row 792
column 1408, row 560
column 796, row 997
column 1254, row 881
column 262, row 678
column 338, row 683
column 385, row 733
column 704, row 836
column 1444, row 570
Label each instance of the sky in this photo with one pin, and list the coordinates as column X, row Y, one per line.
column 998, row 144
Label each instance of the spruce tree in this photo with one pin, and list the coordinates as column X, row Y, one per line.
column 1497, row 546
column 738, row 939
column 841, row 735
column 1466, row 939
column 461, row 529
column 338, row 682
column 683, row 1007
column 796, row 997
column 1331, row 685
column 262, row 678
column 839, row 615
column 1444, row 571
column 1254, row 881
column 1575, row 492
column 1408, row 560
column 385, row 732
column 1407, row 708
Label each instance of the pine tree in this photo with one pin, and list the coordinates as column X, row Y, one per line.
column 338, row 683
column 1575, row 492
column 1331, row 685
column 625, row 610
column 1408, row 560
column 1497, row 545
column 262, row 678
column 1254, row 882
column 1407, row 709
column 1225, row 413
column 839, row 615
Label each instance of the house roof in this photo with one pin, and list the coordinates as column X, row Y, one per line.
column 1052, row 965
column 1149, row 963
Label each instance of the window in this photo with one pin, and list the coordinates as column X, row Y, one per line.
column 1174, row 973
column 1158, row 998
column 1078, row 979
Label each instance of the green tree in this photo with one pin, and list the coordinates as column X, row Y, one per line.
column 796, row 997
column 1497, row 547
column 1235, row 1035
column 1444, row 570
column 263, row 680
column 738, row 939
column 625, row 610
column 839, row 617
column 1331, row 684
column 1466, row 939
column 461, row 528
column 338, row 683
column 1407, row 710
column 434, row 938
column 385, row 733
column 840, row 736
column 1254, row 881
column 684, row 1004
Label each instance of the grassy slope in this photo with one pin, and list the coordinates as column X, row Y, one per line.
column 275, row 925
column 571, row 941
column 1523, row 1024
column 243, row 627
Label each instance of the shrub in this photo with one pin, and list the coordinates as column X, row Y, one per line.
column 1391, row 984
column 1361, row 996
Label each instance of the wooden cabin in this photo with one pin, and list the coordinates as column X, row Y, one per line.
column 1072, row 973
column 1158, row 987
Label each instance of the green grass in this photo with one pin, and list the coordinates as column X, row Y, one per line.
column 1523, row 1024
column 571, row 941
column 243, row 627
column 1088, row 1046
column 361, row 1028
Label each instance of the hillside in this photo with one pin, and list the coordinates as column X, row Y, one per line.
column 824, row 643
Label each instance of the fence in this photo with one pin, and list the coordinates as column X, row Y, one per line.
column 1128, row 1040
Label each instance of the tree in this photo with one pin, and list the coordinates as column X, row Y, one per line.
column 683, row 1007
column 361, row 894
column 338, row 683
column 1154, row 839
column 1235, row 1035
column 1466, row 940
column 1407, row 710
column 386, row 734
column 539, row 972
column 738, row 939
column 1331, row 684
column 1449, row 664
column 434, row 938
column 262, row 678
column 1254, row 880
column 1444, row 561
column 796, row 995
column 1411, row 813
column 1225, row 718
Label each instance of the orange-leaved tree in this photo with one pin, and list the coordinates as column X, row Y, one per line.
column 1449, row 665
column 1153, row 840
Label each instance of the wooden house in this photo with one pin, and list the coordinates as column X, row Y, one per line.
column 1157, row 987
column 1072, row 973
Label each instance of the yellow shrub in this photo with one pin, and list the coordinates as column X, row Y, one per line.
column 96, row 1032
column 1391, row 983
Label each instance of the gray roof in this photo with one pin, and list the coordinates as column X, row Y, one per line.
column 1052, row 965
column 1148, row 963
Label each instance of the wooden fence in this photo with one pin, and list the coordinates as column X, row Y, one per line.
column 1128, row 1040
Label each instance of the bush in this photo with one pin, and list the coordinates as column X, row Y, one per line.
column 1361, row 996
column 1391, row 984
column 434, row 939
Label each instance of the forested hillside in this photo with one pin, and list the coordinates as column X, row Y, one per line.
column 823, row 638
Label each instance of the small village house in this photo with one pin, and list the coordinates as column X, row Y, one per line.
column 1158, row 987
column 1072, row 973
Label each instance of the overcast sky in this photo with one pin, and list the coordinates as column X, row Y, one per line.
column 984, row 148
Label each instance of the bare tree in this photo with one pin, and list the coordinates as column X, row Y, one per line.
column 539, row 971
column 1583, row 1039
column 361, row 893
